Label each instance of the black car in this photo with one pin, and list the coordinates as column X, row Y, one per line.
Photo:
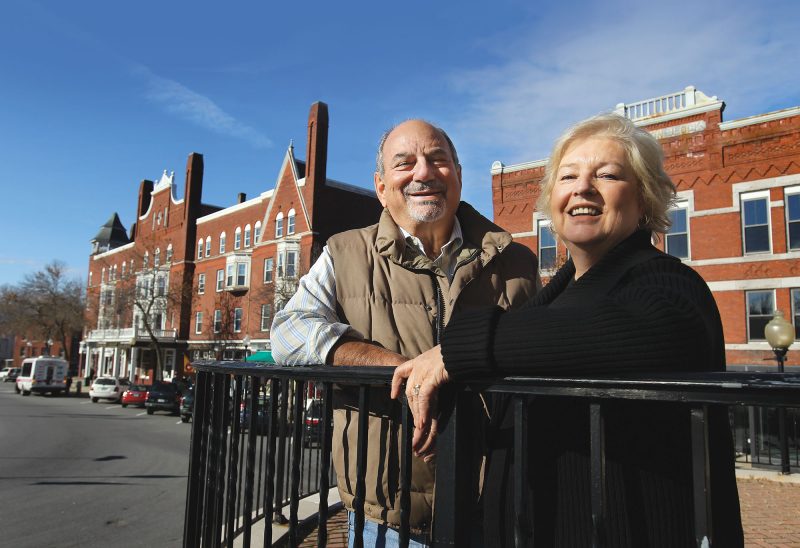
column 187, row 405
column 312, row 425
column 163, row 396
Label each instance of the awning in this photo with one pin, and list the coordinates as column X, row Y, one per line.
column 260, row 356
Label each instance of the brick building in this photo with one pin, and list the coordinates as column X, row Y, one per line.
column 193, row 280
column 737, row 221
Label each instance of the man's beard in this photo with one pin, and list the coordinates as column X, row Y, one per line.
column 427, row 211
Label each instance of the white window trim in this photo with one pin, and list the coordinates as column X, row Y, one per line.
column 788, row 191
column 747, row 312
column 686, row 204
column 290, row 222
column 241, row 319
column 271, row 270
column 222, row 243
column 200, row 248
column 208, row 246
column 248, row 233
column 201, row 284
column 198, row 323
column 751, row 196
column 269, row 323
column 237, row 238
column 279, row 225
column 543, row 225
column 220, row 281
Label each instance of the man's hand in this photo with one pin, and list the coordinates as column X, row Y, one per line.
column 423, row 375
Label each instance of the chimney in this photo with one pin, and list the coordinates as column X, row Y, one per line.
column 192, row 201
column 145, row 196
column 241, row 198
column 316, row 156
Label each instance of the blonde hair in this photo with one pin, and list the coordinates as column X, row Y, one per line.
column 645, row 156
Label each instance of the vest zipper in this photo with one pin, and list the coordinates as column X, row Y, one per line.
column 438, row 325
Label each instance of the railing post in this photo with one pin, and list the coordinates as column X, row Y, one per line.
column 701, row 477
column 523, row 535
column 297, row 449
column 455, row 496
column 361, row 464
column 255, row 386
column 194, row 496
column 598, row 457
column 280, row 472
column 324, row 469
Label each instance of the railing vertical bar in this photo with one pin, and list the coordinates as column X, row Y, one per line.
column 255, row 386
column 324, row 464
column 280, row 472
column 262, row 442
column 597, row 434
column 210, row 533
column 222, row 462
column 231, row 487
column 242, row 440
column 270, row 483
column 361, row 464
column 194, row 492
column 522, row 529
column 701, row 477
column 297, row 451
column 406, row 431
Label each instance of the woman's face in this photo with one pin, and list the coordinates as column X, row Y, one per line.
column 595, row 201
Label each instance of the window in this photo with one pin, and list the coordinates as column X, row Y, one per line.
column 198, row 322
column 217, row 321
column 237, row 238
column 290, row 222
column 279, row 272
column 157, row 257
column 201, row 284
column 220, row 279
column 792, row 202
column 145, row 260
column 237, row 320
column 291, row 263
column 222, row 243
column 124, row 267
column 268, row 266
column 547, row 247
column 760, row 307
column 755, row 222
column 677, row 237
column 266, row 316
column 103, row 275
column 200, row 248
column 229, row 280
column 169, row 253
column 796, row 312
column 241, row 274
column 257, row 235
column 161, row 286
column 279, row 225
column 208, row 246
column 247, row 233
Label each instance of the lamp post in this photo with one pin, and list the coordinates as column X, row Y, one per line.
column 49, row 346
column 216, row 351
column 780, row 336
column 246, row 341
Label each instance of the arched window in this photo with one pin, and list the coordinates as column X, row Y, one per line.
column 247, row 232
column 91, row 275
column 290, row 222
column 145, row 260
column 157, row 257
column 169, row 253
column 103, row 275
column 208, row 246
column 124, row 268
column 237, row 238
column 279, row 225
column 257, row 234
column 222, row 243
column 132, row 268
column 200, row 248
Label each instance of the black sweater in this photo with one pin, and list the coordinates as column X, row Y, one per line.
column 637, row 310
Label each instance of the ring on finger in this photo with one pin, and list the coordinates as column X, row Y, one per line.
column 415, row 390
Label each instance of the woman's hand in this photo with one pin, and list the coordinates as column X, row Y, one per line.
column 423, row 375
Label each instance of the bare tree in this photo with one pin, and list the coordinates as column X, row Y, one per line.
column 46, row 305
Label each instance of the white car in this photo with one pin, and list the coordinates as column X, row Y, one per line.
column 108, row 388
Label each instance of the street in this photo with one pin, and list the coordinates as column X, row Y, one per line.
column 80, row 474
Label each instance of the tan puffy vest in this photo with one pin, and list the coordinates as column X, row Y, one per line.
column 395, row 296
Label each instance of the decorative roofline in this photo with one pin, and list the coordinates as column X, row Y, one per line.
column 672, row 106
column 760, row 118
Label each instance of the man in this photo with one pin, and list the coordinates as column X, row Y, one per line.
column 382, row 295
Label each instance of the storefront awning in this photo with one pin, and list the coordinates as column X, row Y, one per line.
column 260, row 356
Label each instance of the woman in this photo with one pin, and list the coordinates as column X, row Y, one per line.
column 618, row 305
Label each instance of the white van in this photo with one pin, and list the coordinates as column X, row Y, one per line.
column 43, row 374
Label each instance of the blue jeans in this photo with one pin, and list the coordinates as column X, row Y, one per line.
column 380, row 536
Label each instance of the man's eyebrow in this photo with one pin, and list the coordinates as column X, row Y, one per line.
column 401, row 156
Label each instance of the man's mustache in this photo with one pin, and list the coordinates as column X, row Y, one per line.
column 433, row 186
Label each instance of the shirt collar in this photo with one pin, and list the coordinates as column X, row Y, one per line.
column 447, row 255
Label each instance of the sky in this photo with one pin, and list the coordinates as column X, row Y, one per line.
column 96, row 96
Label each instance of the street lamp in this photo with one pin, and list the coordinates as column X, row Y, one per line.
column 29, row 344
column 780, row 336
column 49, row 346
column 216, row 351
column 246, row 340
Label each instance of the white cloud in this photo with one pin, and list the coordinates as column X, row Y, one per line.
column 198, row 109
column 581, row 61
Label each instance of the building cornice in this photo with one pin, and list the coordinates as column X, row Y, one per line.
column 760, row 118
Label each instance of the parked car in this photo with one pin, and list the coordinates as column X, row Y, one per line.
column 44, row 375
column 136, row 394
column 10, row 374
column 187, row 405
column 312, row 425
column 108, row 388
column 163, row 396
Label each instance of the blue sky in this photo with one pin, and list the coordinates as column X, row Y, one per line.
column 96, row 96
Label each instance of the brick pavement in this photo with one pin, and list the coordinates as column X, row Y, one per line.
column 770, row 514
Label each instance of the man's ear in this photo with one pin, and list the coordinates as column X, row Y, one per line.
column 380, row 188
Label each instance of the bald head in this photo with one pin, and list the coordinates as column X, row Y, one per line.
column 379, row 167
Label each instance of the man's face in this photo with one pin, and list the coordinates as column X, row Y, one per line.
column 421, row 183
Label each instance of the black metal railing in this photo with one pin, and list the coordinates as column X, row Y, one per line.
column 262, row 440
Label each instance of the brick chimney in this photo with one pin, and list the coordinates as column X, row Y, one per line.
column 316, row 156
